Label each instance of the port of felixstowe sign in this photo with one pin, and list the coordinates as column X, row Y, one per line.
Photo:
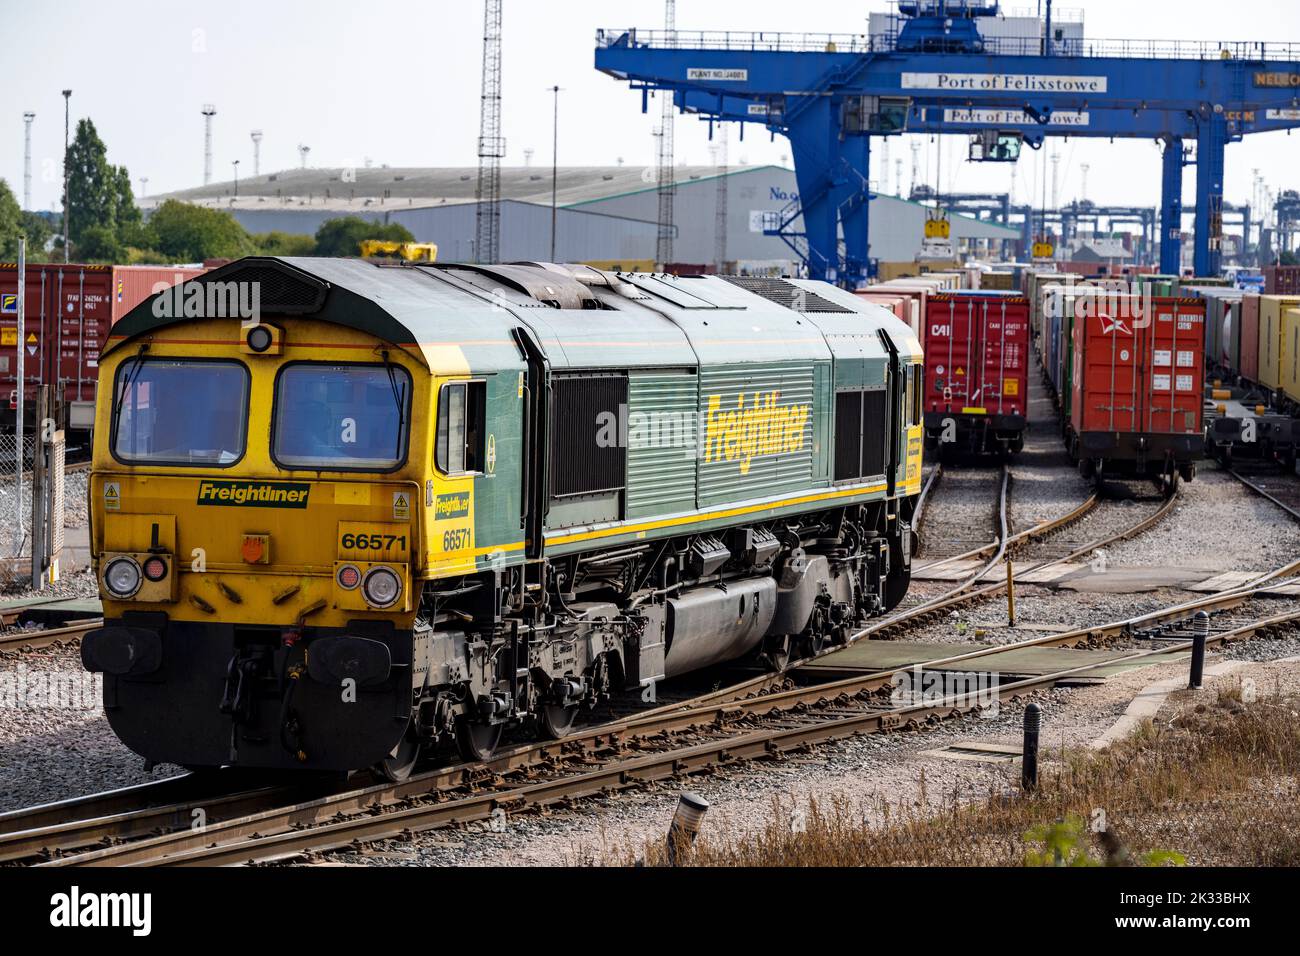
column 1012, row 118
column 1003, row 82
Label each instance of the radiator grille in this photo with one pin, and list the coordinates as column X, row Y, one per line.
column 848, row 435
column 583, row 460
column 861, row 434
column 279, row 290
column 786, row 294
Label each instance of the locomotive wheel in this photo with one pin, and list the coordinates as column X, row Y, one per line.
column 397, row 766
column 557, row 719
column 477, row 741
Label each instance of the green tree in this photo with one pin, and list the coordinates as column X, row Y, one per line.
column 99, row 244
column 284, row 244
column 39, row 230
column 343, row 237
column 99, row 193
column 11, row 218
column 187, row 233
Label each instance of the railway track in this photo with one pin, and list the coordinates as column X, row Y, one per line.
column 638, row 752
column 24, row 640
column 1285, row 492
column 707, row 731
column 602, row 742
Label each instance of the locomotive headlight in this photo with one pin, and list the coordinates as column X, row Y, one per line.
column 122, row 577
column 381, row 587
column 259, row 338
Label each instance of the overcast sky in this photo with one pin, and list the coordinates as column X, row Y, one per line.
column 400, row 84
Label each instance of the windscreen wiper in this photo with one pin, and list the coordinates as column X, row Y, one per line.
column 131, row 378
column 397, row 397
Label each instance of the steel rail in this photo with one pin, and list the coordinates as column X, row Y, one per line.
column 612, row 738
column 250, row 841
column 30, row 640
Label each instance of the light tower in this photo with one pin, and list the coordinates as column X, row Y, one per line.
column 528, row 157
column 667, row 180
column 27, row 159
column 491, row 144
column 256, row 136
column 1083, row 187
column 67, row 204
column 721, row 202
column 302, row 154
column 916, row 164
column 208, row 112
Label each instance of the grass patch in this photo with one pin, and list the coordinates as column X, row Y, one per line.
column 1217, row 784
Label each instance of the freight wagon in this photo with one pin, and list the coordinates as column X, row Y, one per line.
column 1136, row 404
column 69, row 310
column 976, row 347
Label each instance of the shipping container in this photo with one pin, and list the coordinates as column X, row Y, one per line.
column 1282, row 280
column 976, row 371
column 133, row 284
column 998, row 281
column 1137, row 387
column 1290, row 363
column 1271, row 309
column 69, row 310
column 1248, row 362
column 906, row 307
column 904, row 270
column 1222, row 333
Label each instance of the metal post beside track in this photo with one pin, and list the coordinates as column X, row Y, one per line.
column 21, row 384
column 1029, row 759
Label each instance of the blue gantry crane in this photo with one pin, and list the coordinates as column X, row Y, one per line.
column 830, row 94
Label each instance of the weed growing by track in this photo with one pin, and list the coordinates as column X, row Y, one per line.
column 1218, row 783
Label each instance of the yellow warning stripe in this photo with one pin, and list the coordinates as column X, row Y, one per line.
column 699, row 516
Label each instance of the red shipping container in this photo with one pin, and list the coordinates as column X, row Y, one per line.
column 976, row 369
column 70, row 308
column 1249, row 318
column 1138, row 379
column 133, row 284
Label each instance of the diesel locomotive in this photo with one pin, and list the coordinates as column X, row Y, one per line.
column 344, row 511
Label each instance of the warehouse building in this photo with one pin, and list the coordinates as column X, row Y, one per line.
column 603, row 214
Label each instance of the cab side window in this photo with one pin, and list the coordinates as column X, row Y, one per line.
column 459, row 448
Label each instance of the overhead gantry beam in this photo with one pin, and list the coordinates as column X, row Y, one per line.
column 791, row 87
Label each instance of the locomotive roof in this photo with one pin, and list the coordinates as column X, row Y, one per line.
column 581, row 317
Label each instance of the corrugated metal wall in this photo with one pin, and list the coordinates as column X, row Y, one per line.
column 663, row 432
column 744, row 453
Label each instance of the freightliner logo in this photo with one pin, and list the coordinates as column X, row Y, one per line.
column 254, row 494
column 455, row 505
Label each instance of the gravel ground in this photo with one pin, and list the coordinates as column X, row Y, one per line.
column 1044, row 483
column 959, row 512
column 1259, row 536
column 51, row 749
column 867, row 772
